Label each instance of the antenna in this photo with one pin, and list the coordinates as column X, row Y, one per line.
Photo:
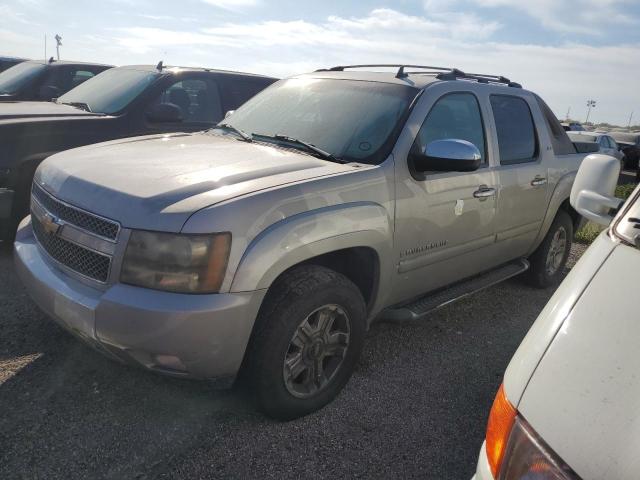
column 51, row 60
column 159, row 66
column 58, row 44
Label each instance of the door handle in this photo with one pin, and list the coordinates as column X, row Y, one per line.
column 484, row 192
column 538, row 181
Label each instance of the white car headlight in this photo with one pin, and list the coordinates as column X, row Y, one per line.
column 181, row 263
column 527, row 457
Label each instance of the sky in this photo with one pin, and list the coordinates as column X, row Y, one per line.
column 567, row 51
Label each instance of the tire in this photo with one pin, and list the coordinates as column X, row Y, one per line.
column 308, row 295
column 545, row 272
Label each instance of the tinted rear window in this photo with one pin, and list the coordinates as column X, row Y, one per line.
column 514, row 126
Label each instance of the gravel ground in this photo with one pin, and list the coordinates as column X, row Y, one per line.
column 415, row 408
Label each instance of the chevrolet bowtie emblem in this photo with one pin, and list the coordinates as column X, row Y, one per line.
column 50, row 224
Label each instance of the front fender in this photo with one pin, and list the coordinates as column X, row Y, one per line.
column 309, row 234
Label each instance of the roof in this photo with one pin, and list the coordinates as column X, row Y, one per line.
column 418, row 76
column 4, row 58
column 68, row 62
column 174, row 68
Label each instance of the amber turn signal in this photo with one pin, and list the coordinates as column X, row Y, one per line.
column 499, row 427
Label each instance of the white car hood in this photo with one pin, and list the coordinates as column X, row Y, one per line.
column 584, row 397
column 157, row 182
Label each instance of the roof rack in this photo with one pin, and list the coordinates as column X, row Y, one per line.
column 441, row 73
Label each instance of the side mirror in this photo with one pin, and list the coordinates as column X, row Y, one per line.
column 165, row 113
column 448, row 156
column 48, row 92
column 594, row 186
column 228, row 114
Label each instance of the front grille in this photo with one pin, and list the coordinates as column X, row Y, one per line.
column 85, row 220
column 82, row 260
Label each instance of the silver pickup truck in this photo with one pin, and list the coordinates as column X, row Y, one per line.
column 263, row 249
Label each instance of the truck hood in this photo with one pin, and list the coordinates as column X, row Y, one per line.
column 583, row 397
column 9, row 110
column 157, row 182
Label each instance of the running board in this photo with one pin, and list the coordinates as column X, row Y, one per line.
column 434, row 300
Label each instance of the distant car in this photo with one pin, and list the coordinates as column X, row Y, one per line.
column 568, row 405
column 572, row 127
column 606, row 142
column 120, row 102
column 629, row 144
column 40, row 80
column 8, row 62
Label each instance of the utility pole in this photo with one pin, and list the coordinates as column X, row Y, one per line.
column 630, row 117
column 590, row 104
column 58, row 45
column 45, row 47
column 568, row 113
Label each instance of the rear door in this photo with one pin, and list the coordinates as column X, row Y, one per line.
column 524, row 192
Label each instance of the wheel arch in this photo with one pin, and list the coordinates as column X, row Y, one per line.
column 352, row 239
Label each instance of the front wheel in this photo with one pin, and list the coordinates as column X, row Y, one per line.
column 306, row 343
column 548, row 261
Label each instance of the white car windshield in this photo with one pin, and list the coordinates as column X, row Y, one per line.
column 110, row 91
column 351, row 120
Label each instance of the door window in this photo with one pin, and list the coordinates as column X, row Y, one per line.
column 80, row 76
column 199, row 100
column 515, row 129
column 454, row 116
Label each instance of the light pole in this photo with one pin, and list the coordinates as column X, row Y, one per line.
column 58, row 44
column 591, row 104
column 630, row 117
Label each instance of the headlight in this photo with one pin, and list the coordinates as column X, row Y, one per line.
column 515, row 451
column 529, row 458
column 176, row 262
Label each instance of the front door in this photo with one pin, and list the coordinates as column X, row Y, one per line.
column 444, row 220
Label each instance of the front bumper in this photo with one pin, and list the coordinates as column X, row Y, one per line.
column 483, row 471
column 200, row 336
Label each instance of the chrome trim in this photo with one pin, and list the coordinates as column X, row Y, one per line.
column 86, row 212
column 70, row 233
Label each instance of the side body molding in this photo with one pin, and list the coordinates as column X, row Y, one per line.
column 316, row 232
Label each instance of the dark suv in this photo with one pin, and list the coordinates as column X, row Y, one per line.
column 39, row 80
column 120, row 102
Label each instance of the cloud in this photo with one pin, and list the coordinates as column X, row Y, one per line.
column 578, row 16
column 562, row 74
column 233, row 5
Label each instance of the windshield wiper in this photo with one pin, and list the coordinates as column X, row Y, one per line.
column 309, row 147
column 80, row 105
column 245, row 136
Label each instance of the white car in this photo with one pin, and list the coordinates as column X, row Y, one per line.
column 607, row 145
column 569, row 405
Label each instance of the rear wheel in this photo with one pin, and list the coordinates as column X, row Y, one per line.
column 548, row 261
column 306, row 342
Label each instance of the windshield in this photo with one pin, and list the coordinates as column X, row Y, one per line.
column 14, row 78
column 349, row 119
column 110, row 91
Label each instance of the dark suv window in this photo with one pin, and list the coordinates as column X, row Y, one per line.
column 454, row 116
column 514, row 126
column 198, row 99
